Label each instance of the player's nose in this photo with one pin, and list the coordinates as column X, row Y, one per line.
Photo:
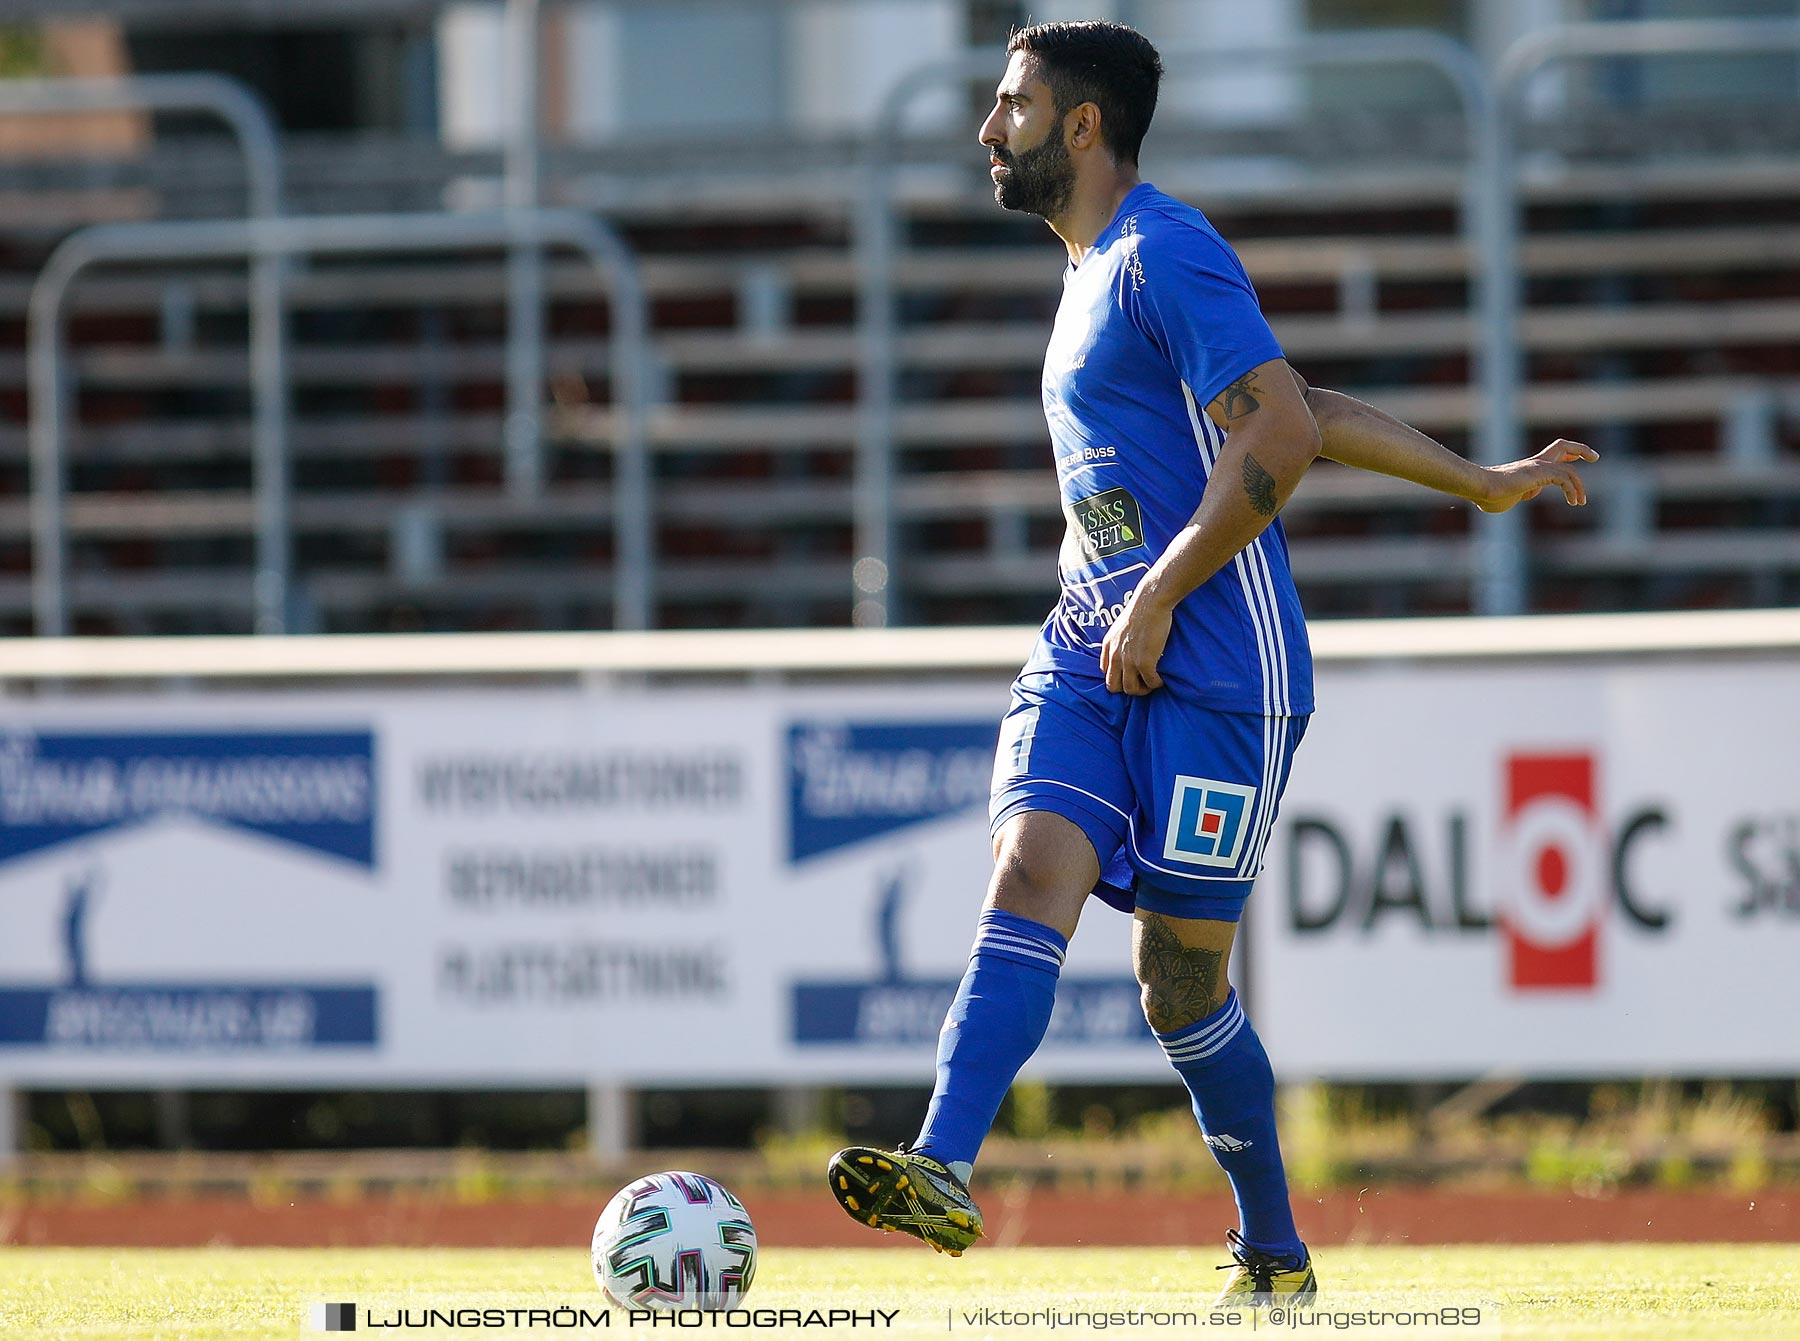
column 990, row 129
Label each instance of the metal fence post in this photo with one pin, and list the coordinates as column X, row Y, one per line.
column 1499, row 582
column 12, row 1123
column 524, row 263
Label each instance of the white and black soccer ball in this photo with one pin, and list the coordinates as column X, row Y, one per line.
column 675, row 1241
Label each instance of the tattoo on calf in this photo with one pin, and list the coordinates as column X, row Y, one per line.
column 1260, row 486
column 1240, row 398
column 1183, row 984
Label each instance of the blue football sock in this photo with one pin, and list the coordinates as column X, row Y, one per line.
column 994, row 1025
column 1227, row 1072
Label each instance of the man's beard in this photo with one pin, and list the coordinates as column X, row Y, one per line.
column 1038, row 181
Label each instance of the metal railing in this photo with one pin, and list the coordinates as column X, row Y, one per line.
column 242, row 111
column 275, row 240
column 1503, row 358
column 251, row 125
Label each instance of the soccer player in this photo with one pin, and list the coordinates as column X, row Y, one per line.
column 1151, row 732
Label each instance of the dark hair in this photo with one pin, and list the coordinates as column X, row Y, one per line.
column 1107, row 64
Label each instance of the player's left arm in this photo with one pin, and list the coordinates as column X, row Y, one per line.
column 1270, row 441
column 1358, row 434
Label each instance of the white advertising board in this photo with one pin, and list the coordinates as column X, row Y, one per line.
column 509, row 887
column 1579, row 871
column 1544, row 871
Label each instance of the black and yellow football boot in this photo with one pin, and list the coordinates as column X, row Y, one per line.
column 901, row 1190
column 1259, row 1279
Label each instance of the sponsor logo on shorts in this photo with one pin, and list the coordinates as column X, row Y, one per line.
column 1208, row 822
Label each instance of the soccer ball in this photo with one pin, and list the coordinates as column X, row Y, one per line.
column 674, row 1241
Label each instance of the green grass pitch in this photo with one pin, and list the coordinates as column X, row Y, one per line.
column 1606, row 1293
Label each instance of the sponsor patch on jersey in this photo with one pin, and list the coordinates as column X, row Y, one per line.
column 1106, row 523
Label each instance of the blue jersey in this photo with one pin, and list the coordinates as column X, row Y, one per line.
column 1155, row 322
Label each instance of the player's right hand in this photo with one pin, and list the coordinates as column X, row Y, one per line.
column 1133, row 646
column 1551, row 468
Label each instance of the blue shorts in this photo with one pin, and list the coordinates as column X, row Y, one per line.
column 1177, row 799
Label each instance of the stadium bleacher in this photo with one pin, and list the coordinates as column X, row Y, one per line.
column 1662, row 323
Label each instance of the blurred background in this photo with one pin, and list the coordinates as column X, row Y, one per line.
column 768, row 359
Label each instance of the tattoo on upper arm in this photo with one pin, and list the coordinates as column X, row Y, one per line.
column 1182, row 983
column 1260, row 486
column 1242, row 397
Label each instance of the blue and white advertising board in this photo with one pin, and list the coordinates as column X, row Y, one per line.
column 508, row 887
column 168, row 892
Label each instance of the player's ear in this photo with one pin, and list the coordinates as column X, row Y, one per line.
column 1083, row 126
